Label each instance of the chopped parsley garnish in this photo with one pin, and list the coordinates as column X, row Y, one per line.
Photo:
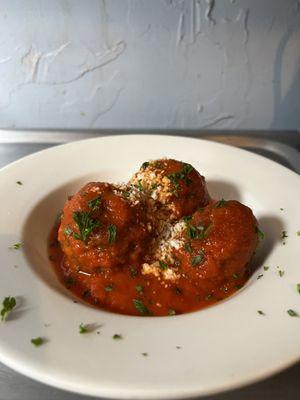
column 126, row 193
column 139, row 289
column 238, row 287
column 109, row 288
column 154, row 186
column 266, row 268
column 220, row 203
column 281, row 209
column 198, row 259
column 292, row 313
column 235, row 276
column 68, row 231
column 86, row 224
column 145, row 165
column 112, row 233
column 178, row 347
column 196, row 232
column 298, row 233
column 298, row 287
column 259, row 233
column 162, row 265
column 140, row 186
column 280, row 273
column 37, row 341
column 19, row 183
column 139, row 305
column 133, row 272
column 175, row 177
column 84, row 328
column 260, row 312
column 187, row 247
column 283, row 236
column 95, row 203
column 171, row 312
column 15, row 246
column 69, row 281
column 117, row 336
column 260, row 276
column 208, row 297
column 145, row 354
column 7, row 305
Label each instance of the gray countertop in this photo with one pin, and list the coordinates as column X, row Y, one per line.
column 282, row 147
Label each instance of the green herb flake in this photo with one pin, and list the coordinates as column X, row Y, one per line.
column 69, row 281
column 109, row 288
column 163, row 266
column 95, row 203
column 139, row 305
column 126, row 193
column 140, row 186
column 178, row 347
column 86, row 225
column 84, row 328
column 198, row 259
column 235, row 276
column 196, row 232
column 182, row 175
column 145, row 165
column 133, row 272
column 220, row 203
column 281, row 209
column 8, row 305
column 139, row 289
column 68, row 231
column 260, row 312
column 19, row 183
column 298, row 233
column 259, row 233
column 171, row 312
column 266, row 268
column 292, row 313
column 298, row 287
column 208, row 297
column 145, row 354
column 117, row 336
column 38, row 341
column 281, row 273
column 187, row 247
column 15, row 246
column 260, row 276
column 112, row 233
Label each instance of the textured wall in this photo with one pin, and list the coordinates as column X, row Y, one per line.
column 149, row 64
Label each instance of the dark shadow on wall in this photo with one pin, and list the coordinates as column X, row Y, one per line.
column 286, row 108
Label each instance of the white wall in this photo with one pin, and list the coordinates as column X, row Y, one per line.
column 150, row 64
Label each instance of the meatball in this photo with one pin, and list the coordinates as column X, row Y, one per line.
column 206, row 254
column 218, row 244
column 175, row 188
column 101, row 229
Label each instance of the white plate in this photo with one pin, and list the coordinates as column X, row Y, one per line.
column 221, row 347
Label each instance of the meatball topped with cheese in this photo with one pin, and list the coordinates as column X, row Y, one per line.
column 102, row 229
column 209, row 251
column 174, row 187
